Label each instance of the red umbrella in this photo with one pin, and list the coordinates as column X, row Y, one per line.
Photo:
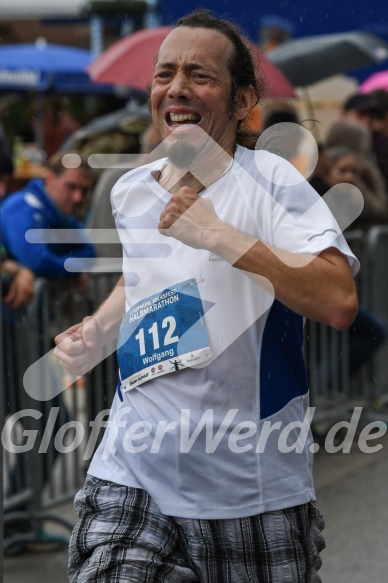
column 374, row 82
column 131, row 61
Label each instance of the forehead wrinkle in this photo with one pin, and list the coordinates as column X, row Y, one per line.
column 190, row 66
column 170, row 53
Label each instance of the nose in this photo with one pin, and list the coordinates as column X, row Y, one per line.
column 179, row 87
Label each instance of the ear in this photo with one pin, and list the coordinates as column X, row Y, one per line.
column 49, row 178
column 245, row 100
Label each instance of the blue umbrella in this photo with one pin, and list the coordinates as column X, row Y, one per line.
column 47, row 67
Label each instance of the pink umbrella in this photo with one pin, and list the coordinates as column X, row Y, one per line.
column 131, row 61
column 374, row 82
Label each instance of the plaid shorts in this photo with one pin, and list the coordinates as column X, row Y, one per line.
column 122, row 537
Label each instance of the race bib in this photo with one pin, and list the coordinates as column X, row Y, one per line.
column 162, row 334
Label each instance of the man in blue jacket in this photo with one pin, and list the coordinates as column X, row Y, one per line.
column 49, row 203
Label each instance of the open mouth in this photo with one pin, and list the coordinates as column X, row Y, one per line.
column 178, row 119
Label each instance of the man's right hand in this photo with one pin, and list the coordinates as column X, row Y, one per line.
column 21, row 289
column 79, row 349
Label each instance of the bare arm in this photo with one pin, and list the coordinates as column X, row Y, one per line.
column 110, row 314
column 320, row 288
column 80, row 348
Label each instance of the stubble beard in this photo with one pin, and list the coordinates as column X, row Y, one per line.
column 182, row 154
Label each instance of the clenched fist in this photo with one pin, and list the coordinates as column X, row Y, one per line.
column 189, row 218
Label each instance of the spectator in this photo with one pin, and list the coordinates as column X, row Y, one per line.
column 379, row 127
column 367, row 332
column 356, row 136
column 338, row 164
column 50, row 203
column 359, row 107
column 371, row 109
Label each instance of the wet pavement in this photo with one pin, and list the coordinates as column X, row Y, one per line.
column 352, row 494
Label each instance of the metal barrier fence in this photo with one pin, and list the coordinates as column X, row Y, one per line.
column 376, row 298
column 60, row 435
column 327, row 359
column 42, row 468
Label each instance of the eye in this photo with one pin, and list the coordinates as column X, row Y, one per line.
column 163, row 75
column 200, row 76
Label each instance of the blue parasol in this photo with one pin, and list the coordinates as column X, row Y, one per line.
column 47, row 67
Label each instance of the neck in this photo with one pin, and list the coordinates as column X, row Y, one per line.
column 204, row 171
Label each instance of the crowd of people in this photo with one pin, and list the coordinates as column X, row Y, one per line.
column 225, row 517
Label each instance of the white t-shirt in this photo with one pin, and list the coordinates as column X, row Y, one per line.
column 224, row 435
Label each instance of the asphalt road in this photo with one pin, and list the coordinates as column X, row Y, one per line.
column 352, row 493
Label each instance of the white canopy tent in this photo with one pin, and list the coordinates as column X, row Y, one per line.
column 47, row 8
column 40, row 8
column 46, row 18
